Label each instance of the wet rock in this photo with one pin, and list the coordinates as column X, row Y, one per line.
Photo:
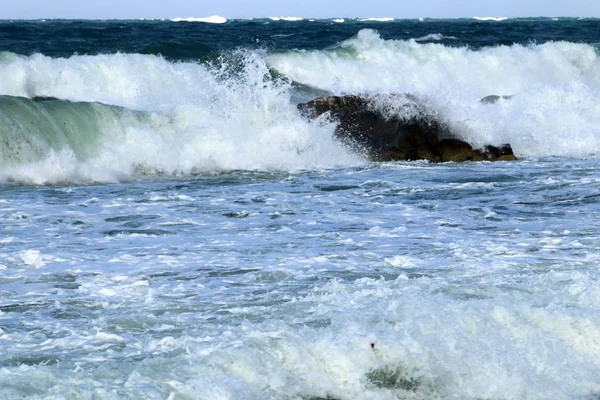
column 409, row 131
column 455, row 150
column 493, row 98
column 502, row 153
column 38, row 99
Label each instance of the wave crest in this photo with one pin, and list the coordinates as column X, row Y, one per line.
column 166, row 118
column 215, row 19
column 556, row 87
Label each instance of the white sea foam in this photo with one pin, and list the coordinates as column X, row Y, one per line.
column 291, row 19
column 338, row 20
column 434, row 37
column 556, row 87
column 215, row 19
column 413, row 337
column 192, row 120
column 376, row 19
column 395, row 288
column 497, row 19
column 32, row 259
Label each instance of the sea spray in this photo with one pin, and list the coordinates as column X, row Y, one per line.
column 237, row 111
column 556, row 87
column 369, row 63
column 188, row 118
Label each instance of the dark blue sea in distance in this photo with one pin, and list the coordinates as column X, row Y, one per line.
column 185, row 41
column 171, row 227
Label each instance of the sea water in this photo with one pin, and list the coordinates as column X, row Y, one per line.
column 172, row 228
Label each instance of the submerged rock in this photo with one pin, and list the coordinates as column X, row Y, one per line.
column 405, row 131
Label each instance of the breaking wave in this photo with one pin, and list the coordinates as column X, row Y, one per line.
column 113, row 117
column 555, row 87
column 215, row 19
column 117, row 116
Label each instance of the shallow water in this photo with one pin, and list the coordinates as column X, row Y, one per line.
column 397, row 280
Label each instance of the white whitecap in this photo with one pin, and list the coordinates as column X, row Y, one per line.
column 214, row 19
column 497, row 19
column 556, row 87
column 32, row 259
column 291, row 19
column 434, row 37
column 384, row 19
column 187, row 121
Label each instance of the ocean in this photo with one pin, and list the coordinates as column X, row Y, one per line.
column 171, row 227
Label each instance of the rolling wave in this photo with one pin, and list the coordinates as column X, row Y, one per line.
column 163, row 118
column 122, row 115
column 556, row 87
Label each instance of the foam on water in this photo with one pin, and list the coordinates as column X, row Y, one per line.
column 436, row 37
column 192, row 118
column 385, row 281
column 404, row 280
column 290, row 19
column 215, row 19
column 496, row 19
column 556, row 87
column 378, row 19
column 224, row 115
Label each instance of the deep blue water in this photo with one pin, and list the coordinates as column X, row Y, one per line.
column 193, row 41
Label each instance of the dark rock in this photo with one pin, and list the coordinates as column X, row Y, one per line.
column 493, row 98
column 455, row 150
column 506, row 153
column 382, row 137
column 44, row 98
column 408, row 132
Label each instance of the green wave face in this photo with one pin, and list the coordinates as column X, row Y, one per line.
column 30, row 129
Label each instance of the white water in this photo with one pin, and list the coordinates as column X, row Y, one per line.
column 556, row 87
column 434, row 37
column 377, row 19
column 291, row 19
column 496, row 19
column 198, row 119
column 374, row 281
column 391, row 281
column 215, row 19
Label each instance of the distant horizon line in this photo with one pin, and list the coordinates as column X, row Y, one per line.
column 294, row 18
